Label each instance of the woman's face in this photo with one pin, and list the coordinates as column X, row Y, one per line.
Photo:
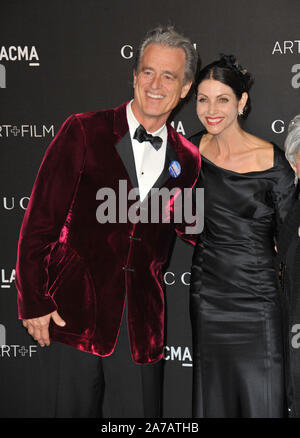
column 217, row 106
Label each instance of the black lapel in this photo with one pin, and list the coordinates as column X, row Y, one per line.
column 165, row 175
column 124, row 148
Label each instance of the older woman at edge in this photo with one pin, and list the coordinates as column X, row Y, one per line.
column 289, row 257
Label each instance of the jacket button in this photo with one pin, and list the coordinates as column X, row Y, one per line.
column 134, row 238
column 127, row 269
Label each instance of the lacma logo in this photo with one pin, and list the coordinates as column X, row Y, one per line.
column 182, row 354
column 15, row 350
column 2, row 335
column 2, row 76
column 32, row 131
column 7, row 278
column 17, row 53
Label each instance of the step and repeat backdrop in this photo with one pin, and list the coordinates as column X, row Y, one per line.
column 69, row 56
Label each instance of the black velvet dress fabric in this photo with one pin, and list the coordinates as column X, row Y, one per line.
column 235, row 302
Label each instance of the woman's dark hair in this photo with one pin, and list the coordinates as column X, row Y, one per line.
column 228, row 71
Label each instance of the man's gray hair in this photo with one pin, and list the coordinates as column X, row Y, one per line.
column 168, row 36
column 292, row 141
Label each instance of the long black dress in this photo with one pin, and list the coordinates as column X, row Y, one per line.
column 235, row 304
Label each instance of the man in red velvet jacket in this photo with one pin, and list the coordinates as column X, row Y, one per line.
column 76, row 277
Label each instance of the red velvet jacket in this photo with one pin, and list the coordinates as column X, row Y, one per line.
column 68, row 261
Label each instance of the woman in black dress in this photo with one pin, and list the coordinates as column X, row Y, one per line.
column 236, row 308
column 289, row 257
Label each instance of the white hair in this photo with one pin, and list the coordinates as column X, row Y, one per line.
column 292, row 141
column 169, row 37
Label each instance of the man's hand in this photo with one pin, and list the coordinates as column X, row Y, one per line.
column 38, row 327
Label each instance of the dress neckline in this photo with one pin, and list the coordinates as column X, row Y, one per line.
column 252, row 172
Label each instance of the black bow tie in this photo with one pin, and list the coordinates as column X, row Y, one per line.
column 142, row 135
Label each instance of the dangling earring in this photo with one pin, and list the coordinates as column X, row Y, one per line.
column 241, row 112
column 296, row 179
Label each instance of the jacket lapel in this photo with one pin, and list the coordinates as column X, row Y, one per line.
column 125, row 151
column 123, row 143
column 165, row 175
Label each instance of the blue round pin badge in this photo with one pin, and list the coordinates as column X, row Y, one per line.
column 175, row 169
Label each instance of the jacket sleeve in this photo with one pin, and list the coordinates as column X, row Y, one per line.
column 45, row 215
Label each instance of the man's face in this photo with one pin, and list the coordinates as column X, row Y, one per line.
column 158, row 85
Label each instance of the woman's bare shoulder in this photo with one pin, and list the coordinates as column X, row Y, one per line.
column 264, row 151
column 260, row 143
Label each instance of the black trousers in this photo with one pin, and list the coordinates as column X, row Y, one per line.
column 75, row 384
